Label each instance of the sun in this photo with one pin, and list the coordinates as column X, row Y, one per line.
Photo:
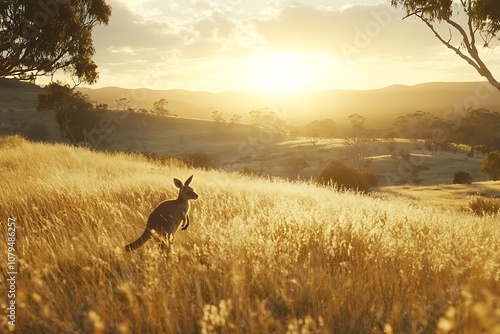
column 281, row 72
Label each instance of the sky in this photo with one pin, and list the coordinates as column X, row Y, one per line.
column 271, row 46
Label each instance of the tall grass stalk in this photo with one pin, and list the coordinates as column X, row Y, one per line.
column 260, row 255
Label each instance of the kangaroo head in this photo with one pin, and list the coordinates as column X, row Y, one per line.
column 185, row 191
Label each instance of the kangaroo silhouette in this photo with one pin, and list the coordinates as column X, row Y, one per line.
column 168, row 216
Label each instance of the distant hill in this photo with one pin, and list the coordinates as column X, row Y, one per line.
column 379, row 106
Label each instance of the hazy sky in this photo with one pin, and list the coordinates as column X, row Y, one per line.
column 270, row 46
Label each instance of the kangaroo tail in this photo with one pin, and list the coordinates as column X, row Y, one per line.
column 139, row 242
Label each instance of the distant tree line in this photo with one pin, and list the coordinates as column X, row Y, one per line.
column 477, row 128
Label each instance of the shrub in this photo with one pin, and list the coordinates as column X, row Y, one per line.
column 371, row 178
column 405, row 155
column 347, row 177
column 38, row 132
column 491, row 165
column 295, row 164
column 76, row 115
column 199, row 160
column 462, row 177
column 484, row 206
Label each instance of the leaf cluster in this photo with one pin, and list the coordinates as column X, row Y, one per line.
column 485, row 14
column 267, row 119
column 40, row 37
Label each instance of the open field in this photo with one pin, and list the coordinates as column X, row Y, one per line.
column 260, row 255
column 234, row 147
column 449, row 195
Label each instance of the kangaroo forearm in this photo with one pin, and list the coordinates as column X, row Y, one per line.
column 186, row 220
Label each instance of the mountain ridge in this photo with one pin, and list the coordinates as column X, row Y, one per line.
column 377, row 104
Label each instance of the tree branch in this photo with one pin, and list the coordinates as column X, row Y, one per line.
column 480, row 66
column 449, row 45
column 482, row 18
column 469, row 41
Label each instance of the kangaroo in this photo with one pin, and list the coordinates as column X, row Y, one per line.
column 168, row 215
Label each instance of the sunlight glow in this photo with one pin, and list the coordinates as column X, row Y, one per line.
column 282, row 72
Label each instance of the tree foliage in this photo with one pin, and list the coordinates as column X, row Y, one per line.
column 75, row 114
column 40, row 37
column 478, row 127
column 325, row 128
column 160, row 108
column 123, row 104
column 355, row 143
column 417, row 125
column 482, row 22
column 218, row 117
column 267, row 119
column 491, row 165
column 420, row 125
column 236, row 118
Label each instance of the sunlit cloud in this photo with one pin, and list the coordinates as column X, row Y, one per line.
column 232, row 44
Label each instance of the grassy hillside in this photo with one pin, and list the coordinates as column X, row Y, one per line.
column 260, row 256
column 234, row 147
column 18, row 114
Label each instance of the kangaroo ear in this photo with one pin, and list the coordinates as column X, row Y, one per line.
column 188, row 181
column 178, row 183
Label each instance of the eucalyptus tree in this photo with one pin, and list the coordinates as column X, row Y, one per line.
column 479, row 29
column 38, row 38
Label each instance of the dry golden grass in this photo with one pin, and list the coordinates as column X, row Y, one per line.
column 456, row 196
column 260, row 256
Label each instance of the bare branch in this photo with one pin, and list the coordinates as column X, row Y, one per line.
column 476, row 21
column 411, row 14
column 419, row 12
column 449, row 45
